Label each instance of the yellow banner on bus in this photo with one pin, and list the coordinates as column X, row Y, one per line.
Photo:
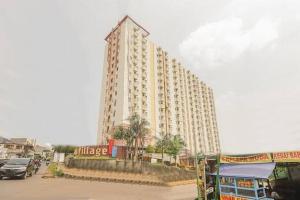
column 244, row 159
column 291, row 156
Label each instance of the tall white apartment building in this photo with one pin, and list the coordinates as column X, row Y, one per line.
column 139, row 76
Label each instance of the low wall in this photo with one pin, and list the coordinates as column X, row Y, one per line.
column 165, row 173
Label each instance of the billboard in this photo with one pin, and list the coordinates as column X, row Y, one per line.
column 291, row 156
column 243, row 159
column 101, row 150
column 278, row 157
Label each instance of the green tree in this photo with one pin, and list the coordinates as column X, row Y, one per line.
column 162, row 145
column 123, row 133
column 67, row 149
column 134, row 135
column 150, row 149
column 174, row 146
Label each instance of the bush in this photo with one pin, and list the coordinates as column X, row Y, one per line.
column 59, row 173
column 54, row 170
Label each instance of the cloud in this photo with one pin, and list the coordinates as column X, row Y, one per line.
column 252, row 119
column 221, row 42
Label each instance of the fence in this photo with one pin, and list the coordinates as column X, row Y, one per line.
column 165, row 173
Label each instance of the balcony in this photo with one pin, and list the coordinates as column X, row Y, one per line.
column 135, row 35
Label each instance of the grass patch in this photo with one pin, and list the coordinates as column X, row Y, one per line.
column 94, row 157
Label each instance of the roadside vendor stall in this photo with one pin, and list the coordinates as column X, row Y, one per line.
column 245, row 181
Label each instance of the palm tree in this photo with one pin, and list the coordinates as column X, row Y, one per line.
column 134, row 135
column 138, row 127
column 123, row 133
column 175, row 145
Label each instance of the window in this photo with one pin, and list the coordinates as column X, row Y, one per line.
column 227, row 181
column 245, row 192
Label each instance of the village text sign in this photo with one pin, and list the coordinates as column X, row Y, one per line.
column 92, row 151
column 255, row 158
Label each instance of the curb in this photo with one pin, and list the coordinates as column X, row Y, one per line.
column 114, row 180
column 48, row 176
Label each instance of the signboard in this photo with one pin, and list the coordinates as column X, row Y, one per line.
column 114, row 151
column 59, row 157
column 292, row 156
column 243, row 159
column 110, row 146
column 92, row 151
column 229, row 197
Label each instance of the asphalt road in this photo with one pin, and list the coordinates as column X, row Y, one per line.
column 37, row 188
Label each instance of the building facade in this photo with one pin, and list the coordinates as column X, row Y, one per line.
column 3, row 152
column 17, row 147
column 139, row 76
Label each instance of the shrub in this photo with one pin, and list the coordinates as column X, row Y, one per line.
column 54, row 170
column 59, row 173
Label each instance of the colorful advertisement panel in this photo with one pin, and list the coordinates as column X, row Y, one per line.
column 292, row 156
column 229, row 197
column 255, row 158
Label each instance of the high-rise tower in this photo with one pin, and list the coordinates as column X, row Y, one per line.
column 139, row 76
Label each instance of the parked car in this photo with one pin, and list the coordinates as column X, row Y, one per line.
column 2, row 162
column 17, row 167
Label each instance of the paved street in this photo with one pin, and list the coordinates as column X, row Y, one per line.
column 37, row 188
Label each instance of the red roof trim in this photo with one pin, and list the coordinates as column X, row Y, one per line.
column 122, row 22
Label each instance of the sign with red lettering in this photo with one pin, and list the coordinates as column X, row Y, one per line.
column 229, row 197
column 292, row 156
column 243, row 159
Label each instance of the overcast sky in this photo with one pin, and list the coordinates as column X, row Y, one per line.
column 51, row 55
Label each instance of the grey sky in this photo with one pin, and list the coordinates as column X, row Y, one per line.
column 51, row 55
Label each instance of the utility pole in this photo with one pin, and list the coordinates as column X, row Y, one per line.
column 197, row 169
column 198, row 181
column 216, row 197
column 204, row 177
